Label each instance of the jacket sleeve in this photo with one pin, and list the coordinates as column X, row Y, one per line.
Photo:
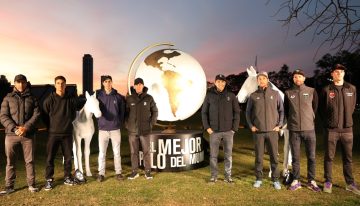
column 354, row 103
column 249, row 108
column 122, row 109
column 286, row 105
column 205, row 113
column 36, row 114
column 323, row 103
column 236, row 114
column 5, row 116
column 315, row 101
column 280, row 106
column 154, row 112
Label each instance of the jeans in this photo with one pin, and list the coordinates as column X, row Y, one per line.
column 215, row 139
column 346, row 142
column 27, row 144
column 104, row 137
column 309, row 138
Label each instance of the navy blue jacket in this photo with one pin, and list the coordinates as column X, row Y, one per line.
column 112, row 107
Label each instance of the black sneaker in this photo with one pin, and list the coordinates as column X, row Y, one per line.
column 68, row 181
column 48, row 185
column 133, row 175
column 7, row 190
column 119, row 177
column 228, row 180
column 148, row 175
column 100, row 178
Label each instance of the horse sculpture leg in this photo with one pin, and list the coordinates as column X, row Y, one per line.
column 287, row 152
column 87, row 155
column 76, row 164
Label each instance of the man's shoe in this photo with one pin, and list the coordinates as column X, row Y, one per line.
column 33, row 189
column 353, row 188
column 119, row 177
column 7, row 190
column 68, row 181
column 277, row 185
column 100, row 178
column 328, row 187
column 257, row 183
column 148, row 175
column 133, row 175
column 295, row 185
column 49, row 184
column 313, row 186
column 228, row 180
column 213, row 180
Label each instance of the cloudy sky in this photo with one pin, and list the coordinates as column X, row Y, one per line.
column 43, row 39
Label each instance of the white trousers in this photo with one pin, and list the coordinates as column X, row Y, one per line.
column 104, row 137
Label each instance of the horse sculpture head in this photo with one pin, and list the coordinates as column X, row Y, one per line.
column 92, row 104
column 250, row 85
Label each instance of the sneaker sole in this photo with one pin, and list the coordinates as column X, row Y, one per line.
column 148, row 178
column 68, row 184
column 132, row 178
column 48, row 189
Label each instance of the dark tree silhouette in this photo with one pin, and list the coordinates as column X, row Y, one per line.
column 337, row 20
column 5, row 87
column 281, row 79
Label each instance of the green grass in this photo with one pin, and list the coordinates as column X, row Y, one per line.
column 180, row 188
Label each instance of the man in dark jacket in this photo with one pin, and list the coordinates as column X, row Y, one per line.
column 60, row 108
column 300, row 107
column 221, row 118
column 142, row 114
column 265, row 116
column 112, row 106
column 339, row 99
column 19, row 113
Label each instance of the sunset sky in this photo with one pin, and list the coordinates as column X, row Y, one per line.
column 43, row 39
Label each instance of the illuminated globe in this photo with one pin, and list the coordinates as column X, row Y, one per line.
column 176, row 81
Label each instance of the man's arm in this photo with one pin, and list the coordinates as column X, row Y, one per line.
column 205, row 113
column 5, row 116
column 236, row 114
column 36, row 114
column 154, row 112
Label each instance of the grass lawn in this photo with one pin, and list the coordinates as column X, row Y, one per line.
column 180, row 188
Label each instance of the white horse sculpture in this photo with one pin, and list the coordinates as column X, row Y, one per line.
column 84, row 129
column 250, row 85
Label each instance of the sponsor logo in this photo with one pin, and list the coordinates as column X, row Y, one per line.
column 257, row 97
column 271, row 97
column 228, row 99
column 292, row 96
column 145, row 103
column 349, row 94
column 332, row 95
column 132, row 104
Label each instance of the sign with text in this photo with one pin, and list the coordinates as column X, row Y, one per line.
column 184, row 150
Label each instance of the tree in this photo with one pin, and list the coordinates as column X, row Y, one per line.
column 337, row 20
column 282, row 78
column 5, row 87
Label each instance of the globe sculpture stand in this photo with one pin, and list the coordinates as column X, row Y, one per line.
column 178, row 85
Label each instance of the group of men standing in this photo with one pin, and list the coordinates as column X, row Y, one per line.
column 267, row 113
column 20, row 111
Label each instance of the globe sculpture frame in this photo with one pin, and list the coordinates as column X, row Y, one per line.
column 178, row 85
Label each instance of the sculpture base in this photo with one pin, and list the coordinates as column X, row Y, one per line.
column 184, row 150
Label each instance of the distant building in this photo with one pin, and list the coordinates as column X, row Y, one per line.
column 87, row 73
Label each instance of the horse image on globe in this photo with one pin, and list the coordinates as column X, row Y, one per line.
column 84, row 129
column 250, row 85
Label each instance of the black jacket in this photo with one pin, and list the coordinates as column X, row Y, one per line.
column 301, row 103
column 61, row 112
column 220, row 111
column 19, row 109
column 330, row 105
column 141, row 112
column 265, row 110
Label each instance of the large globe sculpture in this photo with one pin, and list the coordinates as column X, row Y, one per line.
column 176, row 81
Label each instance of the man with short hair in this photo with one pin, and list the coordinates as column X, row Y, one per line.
column 301, row 104
column 339, row 100
column 112, row 106
column 221, row 118
column 265, row 116
column 60, row 108
column 142, row 114
column 19, row 113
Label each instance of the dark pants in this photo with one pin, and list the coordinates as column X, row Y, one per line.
column 66, row 143
column 134, row 141
column 27, row 144
column 271, row 140
column 309, row 138
column 346, row 142
column 215, row 139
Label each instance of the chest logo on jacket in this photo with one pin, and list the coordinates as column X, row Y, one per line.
column 349, row 94
column 145, row 103
column 271, row 97
column 332, row 95
column 228, row 98
column 306, row 95
column 114, row 101
column 292, row 96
